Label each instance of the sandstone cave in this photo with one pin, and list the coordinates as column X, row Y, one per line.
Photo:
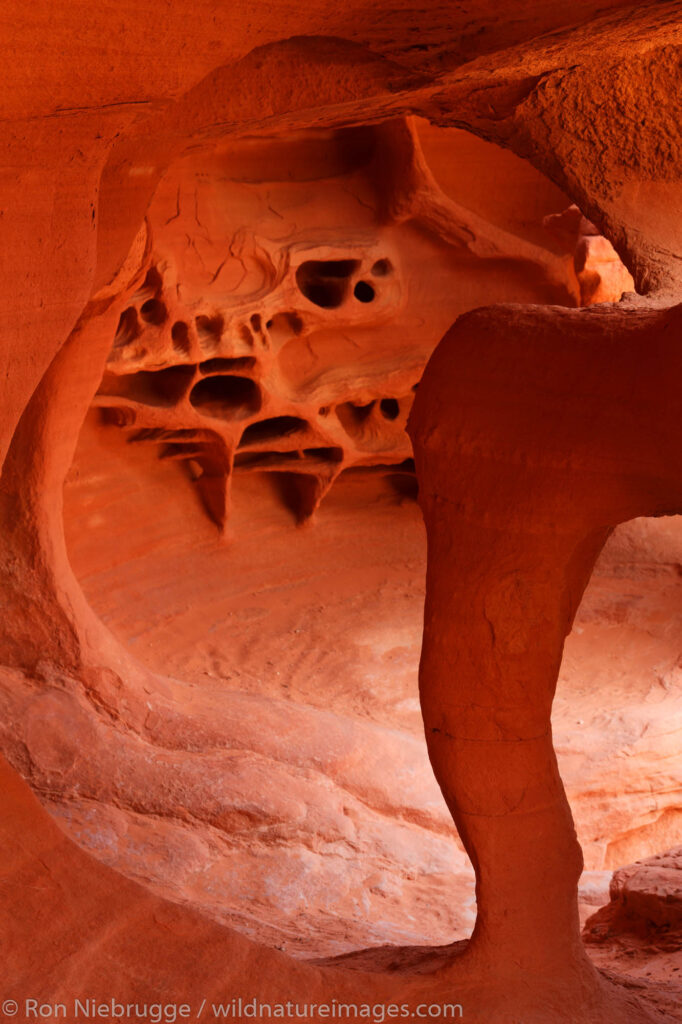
column 341, row 509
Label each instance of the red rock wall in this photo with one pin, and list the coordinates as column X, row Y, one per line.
column 570, row 426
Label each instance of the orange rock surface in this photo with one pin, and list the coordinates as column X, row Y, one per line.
column 267, row 265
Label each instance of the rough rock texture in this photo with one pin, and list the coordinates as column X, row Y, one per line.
column 275, row 629
column 639, row 932
column 647, row 894
column 621, row 762
column 560, row 424
column 73, row 928
column 514, row 531
column 344, row 864
column 296, row 288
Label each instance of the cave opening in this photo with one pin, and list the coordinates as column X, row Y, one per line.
column 325, row 282
column 315, row 378
column 226, row 397
column 274, row 646
column 271, row 429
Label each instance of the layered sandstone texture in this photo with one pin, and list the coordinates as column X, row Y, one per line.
column 638, row 933
column 288, row 333
column 640, row 929
column 74, row 928
column 233, row 239
column 296, row 287
column 322, row 641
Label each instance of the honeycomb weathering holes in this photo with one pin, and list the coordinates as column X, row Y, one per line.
column 352, row 416
column 153, row 312
column 226, row 397
column 283, row 326
column 118, row 416
column 209, row 330
column 390, row 409
column 172, row 383
column 151, row 286
column 150, row 387
column 325, row 282
column 308, row 459
column 272, row 429
column 382, row 268
column 180, row 337
column 229, row 370
column 241, row 364
column 128, row 328
column 330, row 454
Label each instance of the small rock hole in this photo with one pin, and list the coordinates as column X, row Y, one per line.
column 390, row 409
column 209, row 329
column 272, row 429
column 242, row 364
column 128, row 328
column 180, row 337
column 381, row 268
column 151, row 286
column 325, row 282
column 226, row 398
column 153, row 312
column 324, row 454
column 283, row 326
column 363, row 291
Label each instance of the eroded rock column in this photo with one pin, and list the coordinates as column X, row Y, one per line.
column 536, row 430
